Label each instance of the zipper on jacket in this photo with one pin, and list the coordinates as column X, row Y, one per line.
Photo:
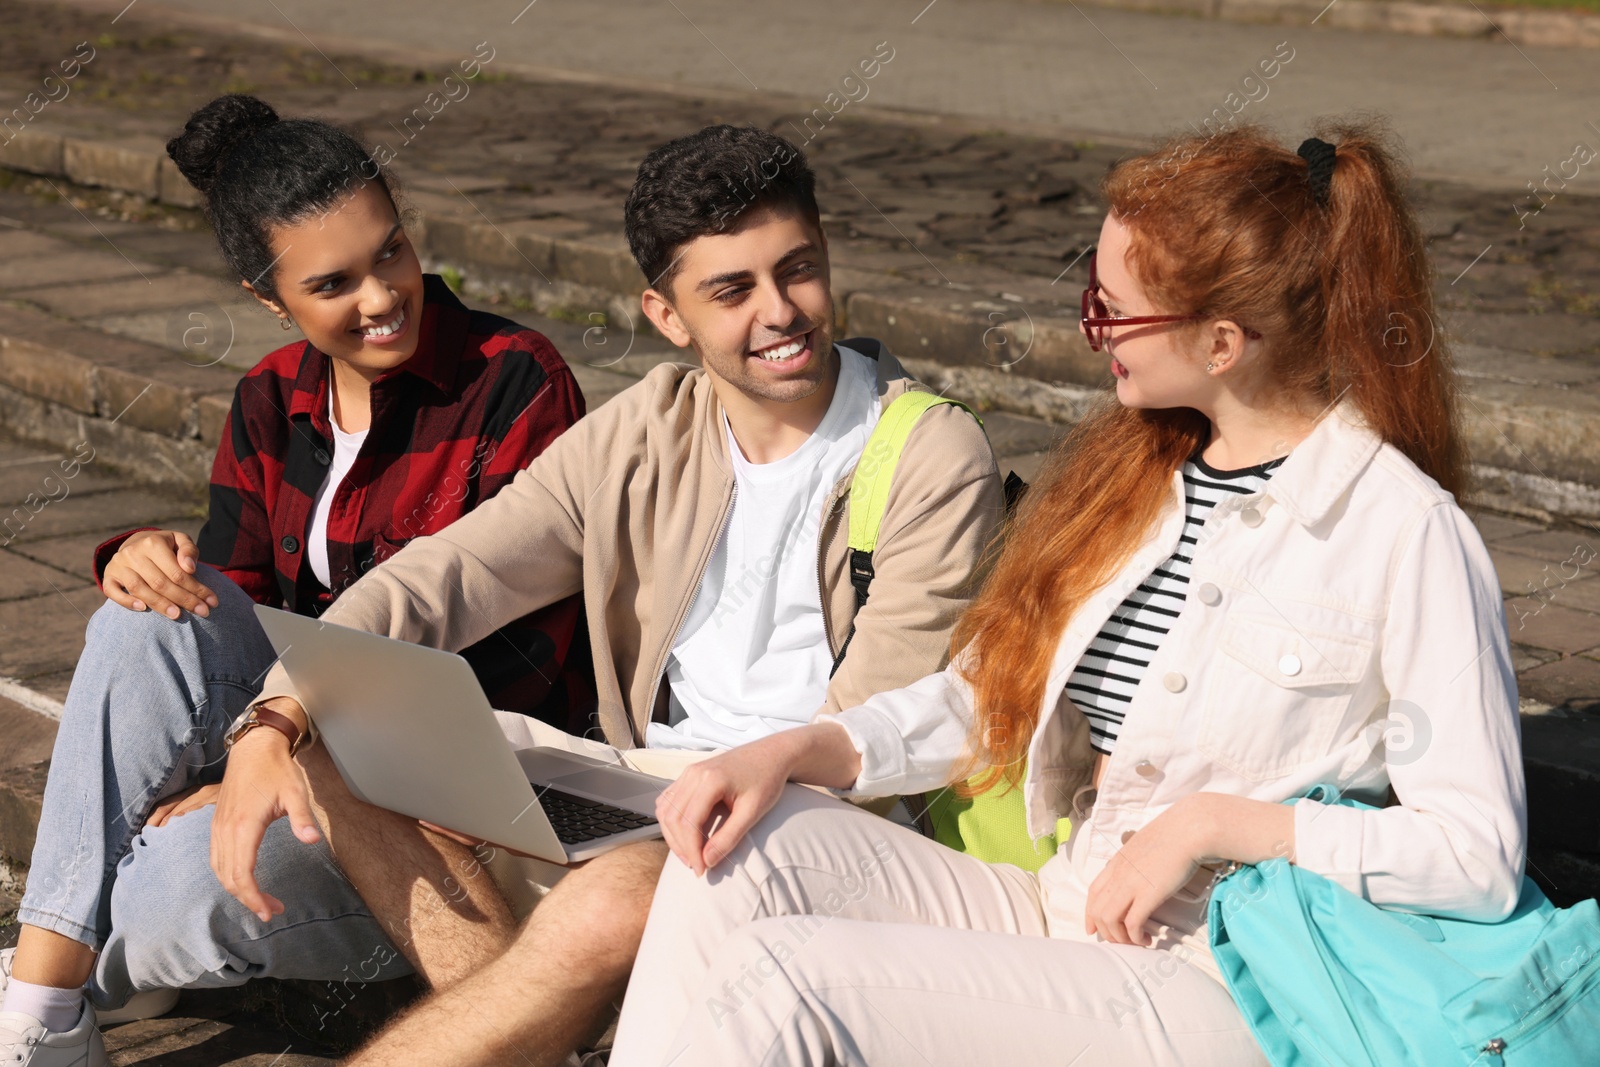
column 677, row 624
column 822, row 563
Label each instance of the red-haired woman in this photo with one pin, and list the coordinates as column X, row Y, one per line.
column 1246, row 576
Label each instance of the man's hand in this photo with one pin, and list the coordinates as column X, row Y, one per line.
column 261, row 785
column 155, row 569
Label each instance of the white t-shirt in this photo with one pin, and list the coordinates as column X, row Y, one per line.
column 752, row 657
column 345, row 447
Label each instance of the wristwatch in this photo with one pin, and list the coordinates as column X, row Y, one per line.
column 260, row 716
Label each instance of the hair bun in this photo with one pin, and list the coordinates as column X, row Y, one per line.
column 213, row 131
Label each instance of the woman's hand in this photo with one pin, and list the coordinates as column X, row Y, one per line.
column 741, row 785
column 261, row 785
column 1159, row 860
column 191, row 799
column 155, row 569
column 1155, row 863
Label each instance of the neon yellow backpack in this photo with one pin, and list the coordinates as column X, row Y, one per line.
column 989, row 825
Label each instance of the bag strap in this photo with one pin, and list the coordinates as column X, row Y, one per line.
column 869, row 489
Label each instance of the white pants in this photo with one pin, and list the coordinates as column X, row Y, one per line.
column 831, row 936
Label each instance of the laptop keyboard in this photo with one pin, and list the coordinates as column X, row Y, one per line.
column 577, row 820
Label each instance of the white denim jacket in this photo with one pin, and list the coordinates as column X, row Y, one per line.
column 1350, row 600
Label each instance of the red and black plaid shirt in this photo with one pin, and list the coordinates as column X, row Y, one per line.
column 478, row 401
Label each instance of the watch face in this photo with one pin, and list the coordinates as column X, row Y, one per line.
column 238, row 727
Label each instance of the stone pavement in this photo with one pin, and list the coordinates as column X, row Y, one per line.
column 952, row 240
column 1483, row 111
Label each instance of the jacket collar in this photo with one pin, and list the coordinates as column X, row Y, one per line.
column 1320, row 469
column 441, row 339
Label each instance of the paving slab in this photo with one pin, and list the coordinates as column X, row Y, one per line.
column 20, row 274
column 22, row 578
column 1549, row 625
column 1578, row 549
column 74, row 553
column 30, row 737
column 1581, row 596
column 1526, row 657
column 1521, row 575
column 16, row 242
column 81, row 512
column 1495, row 528
column 205, row 332
column 1572, row 683
column 44, row 634
column 46, row 472
column 51, row 684
column 172, row 289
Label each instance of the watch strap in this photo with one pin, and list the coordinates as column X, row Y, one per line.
column 260, row 716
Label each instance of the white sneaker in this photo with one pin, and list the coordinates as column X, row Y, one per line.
column 148, row 1004
column 24, row 1042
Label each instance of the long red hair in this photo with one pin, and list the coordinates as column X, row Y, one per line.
column 1226, row 226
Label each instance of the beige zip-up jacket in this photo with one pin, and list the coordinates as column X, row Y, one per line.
column 628, row 505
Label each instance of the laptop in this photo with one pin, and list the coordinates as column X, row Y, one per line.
column 410, row 730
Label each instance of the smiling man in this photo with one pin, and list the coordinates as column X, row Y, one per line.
column 701, row 513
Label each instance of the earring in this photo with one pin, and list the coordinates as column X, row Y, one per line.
column 285, row 323
column 1211, row 366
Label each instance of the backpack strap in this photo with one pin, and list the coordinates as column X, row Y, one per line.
column 869, row 488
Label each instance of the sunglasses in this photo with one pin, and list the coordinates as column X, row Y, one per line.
column 1098, row 320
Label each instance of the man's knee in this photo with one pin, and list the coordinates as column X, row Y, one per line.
column 598, row 911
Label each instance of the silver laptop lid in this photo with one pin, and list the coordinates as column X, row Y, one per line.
column 410, row 730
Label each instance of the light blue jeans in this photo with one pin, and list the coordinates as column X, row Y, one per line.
column 144, row 719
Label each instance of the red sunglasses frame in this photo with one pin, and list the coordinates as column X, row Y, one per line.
column 1097, row 327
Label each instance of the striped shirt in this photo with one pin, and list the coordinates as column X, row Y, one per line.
column 1103, row 682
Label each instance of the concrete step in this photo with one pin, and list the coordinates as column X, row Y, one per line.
column 973, row 274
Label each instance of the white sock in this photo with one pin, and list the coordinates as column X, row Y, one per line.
column 58, row 1009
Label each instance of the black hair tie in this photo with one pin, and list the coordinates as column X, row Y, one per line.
column 1320, row 156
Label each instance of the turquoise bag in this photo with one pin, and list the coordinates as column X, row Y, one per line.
column 1328, row 979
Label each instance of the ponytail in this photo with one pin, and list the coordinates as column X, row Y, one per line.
column 1381, row 337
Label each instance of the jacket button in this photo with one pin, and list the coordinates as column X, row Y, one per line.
column 289, row 543
column 1250, row 517
column 1127, row 835
column 1290, row 664
column 1174, row 682
column 1144, row 769
column 1210, row 594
